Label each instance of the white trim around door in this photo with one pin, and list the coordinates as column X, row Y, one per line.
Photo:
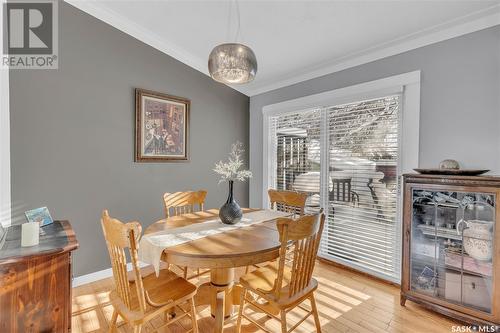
column 5, row 199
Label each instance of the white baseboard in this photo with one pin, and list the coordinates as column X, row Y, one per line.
column 99, row 275
column 92, row 277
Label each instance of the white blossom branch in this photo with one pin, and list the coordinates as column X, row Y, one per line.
column 231, row 170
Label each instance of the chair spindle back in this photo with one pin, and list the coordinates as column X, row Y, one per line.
column 183, row 202
column 288, row 201
column 304, row 236
column 119, row 237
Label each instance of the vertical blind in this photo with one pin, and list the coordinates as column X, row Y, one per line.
column 359, row 144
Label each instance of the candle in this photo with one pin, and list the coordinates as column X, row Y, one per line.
column 30, row 234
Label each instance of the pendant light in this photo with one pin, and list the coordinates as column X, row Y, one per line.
column 232, row 63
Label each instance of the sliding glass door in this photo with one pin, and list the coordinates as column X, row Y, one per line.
column 346, row 158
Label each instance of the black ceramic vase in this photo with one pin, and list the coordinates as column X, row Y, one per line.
column 230, row 212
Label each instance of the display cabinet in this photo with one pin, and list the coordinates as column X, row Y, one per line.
column 451, row 255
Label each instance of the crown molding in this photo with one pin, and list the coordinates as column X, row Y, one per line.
column 461, row 26
column 476, row 21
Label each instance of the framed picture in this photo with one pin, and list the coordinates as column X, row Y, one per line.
column 40, row 215
column 161, row 127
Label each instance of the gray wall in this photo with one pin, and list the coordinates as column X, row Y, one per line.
column 460, row 101
column 72, row 133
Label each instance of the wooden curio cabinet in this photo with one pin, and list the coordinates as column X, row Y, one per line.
column 451, row 246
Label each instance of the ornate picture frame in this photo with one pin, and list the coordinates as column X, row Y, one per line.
column 161, row 127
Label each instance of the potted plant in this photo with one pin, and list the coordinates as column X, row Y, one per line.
column 230, row 171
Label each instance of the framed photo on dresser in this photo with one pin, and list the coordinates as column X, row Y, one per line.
column 161, row 127
column 39, row 215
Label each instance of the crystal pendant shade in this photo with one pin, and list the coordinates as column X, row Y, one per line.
column 232, row 63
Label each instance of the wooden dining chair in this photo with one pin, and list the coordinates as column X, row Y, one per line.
column 140, row 299
column 286, row 285
column 288, row 201
column 183, row 203
column 285, row 201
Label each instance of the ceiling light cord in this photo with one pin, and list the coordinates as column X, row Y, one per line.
column 229, row 20
column 228, row 26
column 239, row 19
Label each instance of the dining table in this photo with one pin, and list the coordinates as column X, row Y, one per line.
column 221, row 253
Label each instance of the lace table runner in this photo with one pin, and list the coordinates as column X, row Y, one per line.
column 152, row 245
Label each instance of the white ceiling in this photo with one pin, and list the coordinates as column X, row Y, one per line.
column 294, row 40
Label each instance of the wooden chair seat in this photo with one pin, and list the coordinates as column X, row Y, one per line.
column 163, row 290
column 261, row 282
column 168, row 289
column 264, row 277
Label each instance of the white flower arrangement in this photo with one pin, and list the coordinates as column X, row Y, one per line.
column 230, row 170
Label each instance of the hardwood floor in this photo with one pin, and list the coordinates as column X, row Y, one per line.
column 347, row 302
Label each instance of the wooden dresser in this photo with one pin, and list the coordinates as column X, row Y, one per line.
column 35, row 282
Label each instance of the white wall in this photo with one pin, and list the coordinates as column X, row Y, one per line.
column 460, row 101
column 5, row 214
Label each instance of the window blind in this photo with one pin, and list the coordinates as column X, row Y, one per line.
column 359, row 143
column 296, row 153
column 363, row 153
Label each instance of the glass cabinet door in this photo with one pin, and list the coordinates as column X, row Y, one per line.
column 452, row 246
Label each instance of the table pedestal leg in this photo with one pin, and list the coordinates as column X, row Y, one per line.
column 221, row 304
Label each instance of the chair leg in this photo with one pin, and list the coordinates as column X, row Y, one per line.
column 112, row 324
column 284, row 328
column 247, row 269
column 194, row 321
column 315, row 313
column 137, row 328
column 185, row 272
column 241, row 309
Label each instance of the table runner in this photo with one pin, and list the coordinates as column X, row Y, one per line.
column 152, row 245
